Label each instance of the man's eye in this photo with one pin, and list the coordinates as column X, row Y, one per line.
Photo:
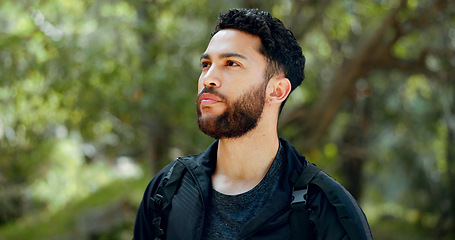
column 205, row 64
column 232, row 64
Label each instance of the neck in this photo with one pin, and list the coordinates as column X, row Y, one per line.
column 243, row 162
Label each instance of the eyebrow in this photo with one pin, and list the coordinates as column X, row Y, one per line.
column 224, row 55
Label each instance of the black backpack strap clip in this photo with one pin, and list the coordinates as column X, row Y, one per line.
column 300, row 189
column 301, row 226
column 163, row 197
column 157, row 207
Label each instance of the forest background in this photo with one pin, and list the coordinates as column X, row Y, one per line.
column 96, row 96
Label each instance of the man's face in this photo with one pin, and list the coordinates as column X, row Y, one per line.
column 232, row 85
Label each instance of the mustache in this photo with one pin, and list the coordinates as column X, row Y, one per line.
column 211, row 91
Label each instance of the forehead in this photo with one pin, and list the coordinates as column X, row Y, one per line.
column 234, row 41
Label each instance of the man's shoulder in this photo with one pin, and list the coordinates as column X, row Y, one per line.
column 156, row 180
column 195, row 163
column 190, row 161
column 333, row 190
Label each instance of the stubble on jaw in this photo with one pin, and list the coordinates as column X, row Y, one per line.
column 241, row 116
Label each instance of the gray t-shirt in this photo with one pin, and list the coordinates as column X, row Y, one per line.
column 227, row 214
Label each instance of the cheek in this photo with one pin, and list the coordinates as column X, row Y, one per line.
column 200, row 85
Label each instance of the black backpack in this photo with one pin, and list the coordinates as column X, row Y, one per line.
column 355, row 225
column 348, row 211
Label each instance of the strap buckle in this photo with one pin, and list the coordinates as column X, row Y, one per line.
column 299, row 195
column 157, row 202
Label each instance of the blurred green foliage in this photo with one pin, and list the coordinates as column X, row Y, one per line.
column 96, row 96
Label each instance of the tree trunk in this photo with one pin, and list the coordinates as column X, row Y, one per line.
column 355, row 141
column 449, row 218
column 159, row 143
column 158, row 128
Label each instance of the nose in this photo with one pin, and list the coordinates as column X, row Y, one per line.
column 211, row 78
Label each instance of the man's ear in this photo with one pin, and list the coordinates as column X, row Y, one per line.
column 280, row 88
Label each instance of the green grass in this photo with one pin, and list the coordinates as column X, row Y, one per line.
column 396, row 229
column 63, row 223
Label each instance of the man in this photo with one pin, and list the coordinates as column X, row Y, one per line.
column 242, row 186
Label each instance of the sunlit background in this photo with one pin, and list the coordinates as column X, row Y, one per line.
column 96, row 96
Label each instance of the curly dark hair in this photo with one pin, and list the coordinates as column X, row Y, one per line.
column 279, row 44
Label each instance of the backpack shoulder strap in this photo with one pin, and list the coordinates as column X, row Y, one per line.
column 163, row 197
column 348, row 210
column 300, row 213
column 301, row 184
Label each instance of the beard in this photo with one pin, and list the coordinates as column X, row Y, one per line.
column 240, row 116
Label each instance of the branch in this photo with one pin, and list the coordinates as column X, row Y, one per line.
column 314, row 123
column 418, row 65
column 320, row 7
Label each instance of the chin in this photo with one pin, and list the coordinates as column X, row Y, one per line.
column 210, row 112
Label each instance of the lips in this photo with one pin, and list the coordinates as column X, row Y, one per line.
column 207, row 99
